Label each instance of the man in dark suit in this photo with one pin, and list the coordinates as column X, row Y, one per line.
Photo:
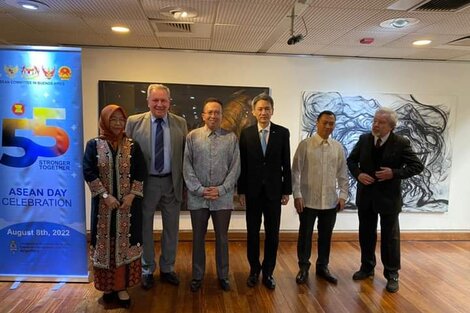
column 161, row 136
column 379, row 161
column 264, row 184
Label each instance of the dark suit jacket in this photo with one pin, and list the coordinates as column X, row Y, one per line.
column 138, row 128
column 272, row 170
column 385, row 197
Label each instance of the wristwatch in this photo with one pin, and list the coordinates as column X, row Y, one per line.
column 104, row 195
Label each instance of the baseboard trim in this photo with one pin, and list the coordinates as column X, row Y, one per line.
column 186, row 235
column 235, row 235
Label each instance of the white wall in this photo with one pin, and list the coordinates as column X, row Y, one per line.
column 288, row 76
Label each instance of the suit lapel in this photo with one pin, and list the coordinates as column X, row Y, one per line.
column 172, row 135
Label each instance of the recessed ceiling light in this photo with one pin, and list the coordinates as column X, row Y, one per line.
column 120, row 29
column 398, row 23
column 31, row 5
column 422, row 42
column 178, row 12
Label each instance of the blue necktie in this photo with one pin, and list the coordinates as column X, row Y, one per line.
column 264, row 134
column 159, row 159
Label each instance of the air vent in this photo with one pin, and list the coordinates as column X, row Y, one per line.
column 442, row 6
column 164, row 28
column 173, row 27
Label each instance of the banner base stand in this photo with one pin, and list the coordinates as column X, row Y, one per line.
column 15, row 285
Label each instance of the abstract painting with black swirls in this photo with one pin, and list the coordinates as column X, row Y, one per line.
column 424, row 119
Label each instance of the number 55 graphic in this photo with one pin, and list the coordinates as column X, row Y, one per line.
column 31, row 149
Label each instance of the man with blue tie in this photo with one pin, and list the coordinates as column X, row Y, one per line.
column 264, row 184
column 161, row 136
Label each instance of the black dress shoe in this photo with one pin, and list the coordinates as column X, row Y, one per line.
column 147, row 281
column 224, row 284
column 361, row 275
column 302, row 277
column 326, row 275
column 252, row 279
column 269, row 282
column 170, row 278
column 195, row 285
column 392, row 285
column 109, row 297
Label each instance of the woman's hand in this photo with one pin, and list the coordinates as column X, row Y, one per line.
column 127, row 201
column 111, row 202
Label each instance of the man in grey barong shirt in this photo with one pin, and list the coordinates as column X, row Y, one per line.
column 210, row 168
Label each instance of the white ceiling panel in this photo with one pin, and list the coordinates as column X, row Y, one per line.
column 133, row 41
column 239, row 38
column 10, row 23
column 354, row 51
column 406, row 41
column 103, row 26
column 242, row 13
column 457, row 24
column 128, row 9
column 437, row 54
column 49, row 22
column 352, row 4
column 393, row 53
column 353, row 38
column 326, row 18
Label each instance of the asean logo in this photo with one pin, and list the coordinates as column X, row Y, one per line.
column 17, row 108
column 65, row 73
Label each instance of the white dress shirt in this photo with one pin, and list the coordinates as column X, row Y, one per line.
column 318, row 170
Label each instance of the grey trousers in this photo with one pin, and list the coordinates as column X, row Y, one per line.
column 221, row 221
column 159, row 193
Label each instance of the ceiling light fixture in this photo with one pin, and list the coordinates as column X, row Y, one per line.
column 423, row 42
column 120, row 29
column 31, row 5
column 398, row 23
column 178, row 12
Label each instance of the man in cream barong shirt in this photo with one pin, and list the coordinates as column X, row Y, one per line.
column 318, row 171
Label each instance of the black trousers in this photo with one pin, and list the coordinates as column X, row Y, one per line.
column 326, row 222
column 256, row 207
column 389, row 241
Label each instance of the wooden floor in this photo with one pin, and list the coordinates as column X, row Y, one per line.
column 435, row 277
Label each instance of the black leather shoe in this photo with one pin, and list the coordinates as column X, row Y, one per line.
column 302, row 276
column 361, row 275
column 109, row 297
column 326, row 275
column 170, row 278
column 252, row 279
column 224, row 284
column 147, row 281
column 392, row 285
column 269, row 282
column 195, row 285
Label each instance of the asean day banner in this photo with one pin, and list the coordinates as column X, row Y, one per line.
column 42, row 215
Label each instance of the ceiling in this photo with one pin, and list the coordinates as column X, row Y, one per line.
column 329, row 27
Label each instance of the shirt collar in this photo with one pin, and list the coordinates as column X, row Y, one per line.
column 165, row 119
column 384, row 138
column 268, row 128
column 208, row 131
column 318, row 140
